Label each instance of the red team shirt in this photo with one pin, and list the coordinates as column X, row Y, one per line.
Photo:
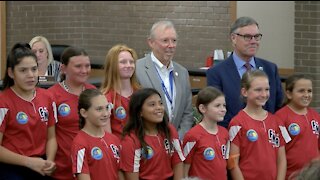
column 98, row 157
column 258, row 142
column 157, row 162
column 24, row 123
column 206, row 153
column 118, row 117
column 304, row 132
column 67, row 128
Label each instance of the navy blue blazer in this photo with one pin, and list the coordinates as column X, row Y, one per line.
column 225, row 77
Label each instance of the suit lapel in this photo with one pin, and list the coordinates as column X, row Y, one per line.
column 177, row 81
column 234, row 74
column 154, row 79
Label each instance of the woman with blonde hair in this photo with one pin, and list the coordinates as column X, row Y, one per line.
column 119, row 83
column 47, row 65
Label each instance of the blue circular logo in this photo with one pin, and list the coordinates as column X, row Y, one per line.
column 64, row 110
column 96, row 153
column 209, row 154
column 120, row 112
column 252, row 135
column 22, row 118
column 147, row 152
column 294, row 129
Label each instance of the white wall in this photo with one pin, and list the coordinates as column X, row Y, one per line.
column 276, row 22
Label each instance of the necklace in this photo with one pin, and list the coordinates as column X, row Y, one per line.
column 65, row 87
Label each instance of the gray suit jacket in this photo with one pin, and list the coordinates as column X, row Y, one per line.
column 147, row 76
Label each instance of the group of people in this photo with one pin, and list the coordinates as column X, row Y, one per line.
column 139, row 123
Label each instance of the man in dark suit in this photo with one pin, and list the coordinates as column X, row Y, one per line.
column 226, row 75
column 158, row 70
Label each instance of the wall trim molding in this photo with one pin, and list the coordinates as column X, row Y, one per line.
column 3, row 38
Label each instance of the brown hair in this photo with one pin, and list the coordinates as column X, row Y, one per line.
column 291, row 82
column 85, row 103
column 207, row 95
column 68, row 53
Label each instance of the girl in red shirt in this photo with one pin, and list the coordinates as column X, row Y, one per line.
column 150, row 146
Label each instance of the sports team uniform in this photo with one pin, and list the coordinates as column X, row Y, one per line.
column 157, row 161
column 304, row 132
column 258, row 142
column 67, row 128
column 24, row 123
column 98, row 157
column 206, row 153
column 118, row 122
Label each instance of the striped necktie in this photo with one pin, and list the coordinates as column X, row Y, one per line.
column 247, row 66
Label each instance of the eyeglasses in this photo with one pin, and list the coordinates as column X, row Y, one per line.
column 248, row 37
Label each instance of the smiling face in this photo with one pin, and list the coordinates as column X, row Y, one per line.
column 126, row 65
column 301, row 94
column 164, row 44
column 258, row 93
column 78, row 69
column 152, row 110
column 245, row 49
column 98, row 115
column 215, row 110
column 25, row 75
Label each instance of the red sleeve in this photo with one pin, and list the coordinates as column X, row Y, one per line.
column 130, row 154
column 52, row 119
column 79, row 158
column 177, row 156
column 189, row 146
column 235, row 134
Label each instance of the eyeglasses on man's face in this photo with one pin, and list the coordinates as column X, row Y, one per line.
column 248, row 37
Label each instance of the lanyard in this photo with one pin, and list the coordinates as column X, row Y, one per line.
column 170, row 98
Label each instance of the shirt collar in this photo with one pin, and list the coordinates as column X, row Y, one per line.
column 240, row 62
column 159, row 65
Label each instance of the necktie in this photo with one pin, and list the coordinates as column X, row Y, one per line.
column 248, row 66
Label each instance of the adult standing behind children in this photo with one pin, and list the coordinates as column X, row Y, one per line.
column 27, row 118
column 118, row 85
column 75, row 71
column 47, row 65
column 158, row 70
column 226, row 76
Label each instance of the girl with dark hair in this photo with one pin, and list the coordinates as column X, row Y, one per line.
column 301, row 121
column 150, row 145
column 27, row 118
column 206, row 145
column 94, row 152
column 75, row 72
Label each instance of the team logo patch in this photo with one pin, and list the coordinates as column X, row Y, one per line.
column 147, row 152
column 22, row 118
column 64, row 109
column 96, row 153
column 252, row 135
column 209, row 154
column 120, row 112
column 294, row 129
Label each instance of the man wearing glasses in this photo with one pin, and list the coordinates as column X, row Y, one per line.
column 226, row 76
